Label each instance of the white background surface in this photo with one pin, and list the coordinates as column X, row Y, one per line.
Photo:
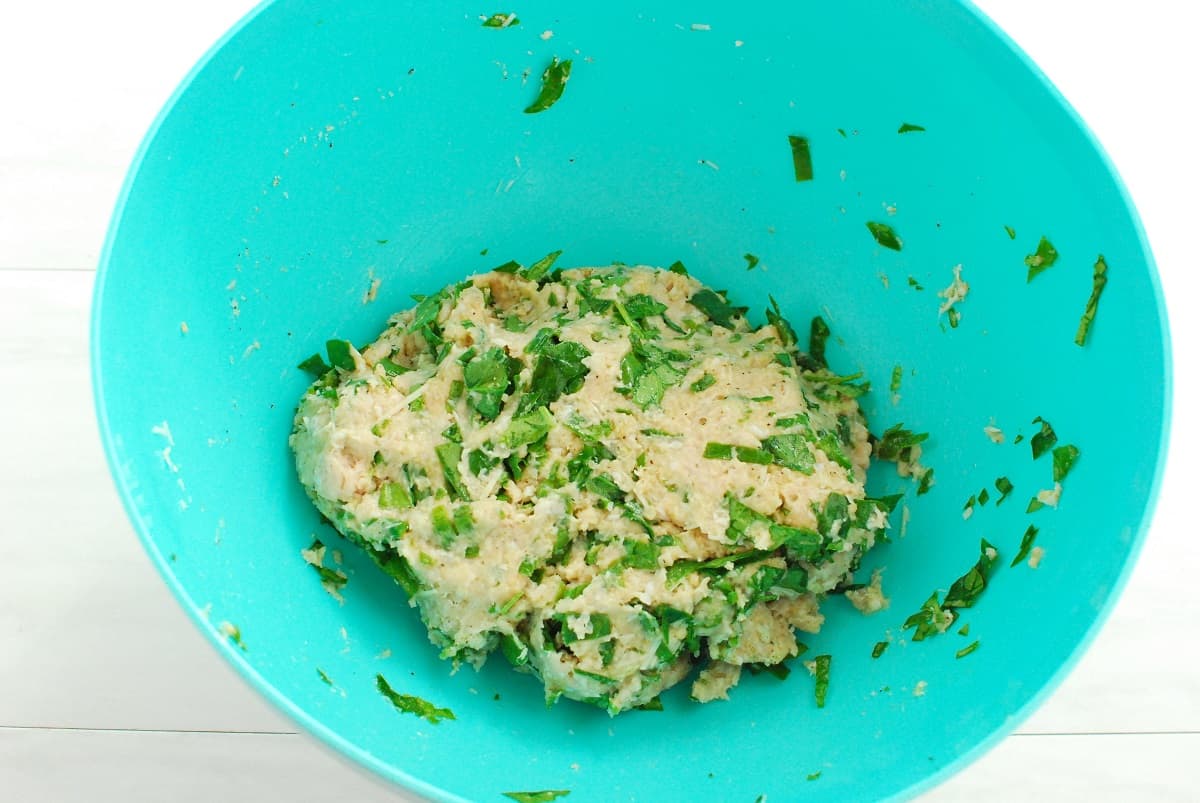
column 107, row 693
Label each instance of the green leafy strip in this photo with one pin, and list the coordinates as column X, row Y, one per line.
column 554, row 81
column 885, row 235
column 501, row 21
column 967, row 650
column 821, row 689
column 1041, row 259
column 1064, row 460
column 934, row 617
column 1027, row 541
column 408, row 704
column 541, row 796
column 907, row 127
column 1099, row 280
column 801, row 157
column 717, row 307
column 1044, row 440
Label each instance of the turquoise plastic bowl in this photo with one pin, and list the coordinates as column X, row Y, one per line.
column 321, row 145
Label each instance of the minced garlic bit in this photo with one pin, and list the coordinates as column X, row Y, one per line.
column 1035, row 557
column 994, row 433
column 919, row 689
column 1050, row 497
column 955, row 292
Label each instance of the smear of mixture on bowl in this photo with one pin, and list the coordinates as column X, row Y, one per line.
column 606, row 473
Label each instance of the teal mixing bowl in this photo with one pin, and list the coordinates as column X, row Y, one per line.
column 322, row 146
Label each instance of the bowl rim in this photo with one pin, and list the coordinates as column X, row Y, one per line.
column 359, row 757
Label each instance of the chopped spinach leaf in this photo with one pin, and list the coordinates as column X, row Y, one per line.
column 559, row 370
column 790, row 451
column 1011, row 232
column 966, row 589
column 412, row 705
column 538, row 270
column 1026, row 545
column 967, row 650
column 395, row 496
column 717, row 308
column 1099, row 280
column 1044, row 440
column 554, row 81
column 449, row 455
column 677, row 267
column 907, row 127
column 751, row 261
column 801, row 157
column 647, row 371
column 488, row 377
column 822, row 663
column 897, row 443
column 1005, row 487
column 897, row 378
column 818, row 336
column 879, row 648
column 541, row 796
column 1041, row 259
column 1064, row 460
column 885, row 235
column 499, row 21
column 314, row 365
column 528, row 428
column 340, row 354
column 703, row 383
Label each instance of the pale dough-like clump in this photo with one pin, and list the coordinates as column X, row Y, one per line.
column 606, row 473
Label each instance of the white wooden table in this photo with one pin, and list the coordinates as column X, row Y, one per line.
column 107, row 693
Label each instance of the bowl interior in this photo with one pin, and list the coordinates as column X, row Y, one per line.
column 323, row 146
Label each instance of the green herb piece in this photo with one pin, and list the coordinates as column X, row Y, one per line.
column 1040, row 260
column 316, row 366
column 718, row 451
column 528, row 428
column 912, row 282
column 443, row 525
column 897, row 378
column 970, row 505
column 790, row 451
column 511, row 266
column 399, row 569
column 1044, row 440
column 488, row 377
column 966, row 590
column 653, row 705
column 1005, row 487
column 822, row 672
column 953, row 316
column 464, row 520
column 783, row 329
column 926, row 482
column 480, row 462
column 542, row 796
column 880, row 647
column 682, row 568
column 1020, row 437
column 1011, row 232
column 965, row 629
column 449, row 455
column 717, row 308
column 1064, row 460
column 554, row 81
column 607, row 681
column 1034, row 505
column 1099, row 280
column 395, row 496
column 642, row 306
column 930, row 620
column 751, row 261
column 812, row 776
column 500, row 21
column 967, row 650
column 792, row 420
column 393, row 368
column 907, row 127
column 897, row 443
column 427, row 311
column 818, row 336
column 559, row 370
column 647, row 371
column 885, row 235
column 408, row 704
column 677, row 267
column 340, row 354
column 984, row 496
column 324, row 678
column 801, row 157
column 1026, row 545
column 539, row 269
column 703, row 383
column 749, row 454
